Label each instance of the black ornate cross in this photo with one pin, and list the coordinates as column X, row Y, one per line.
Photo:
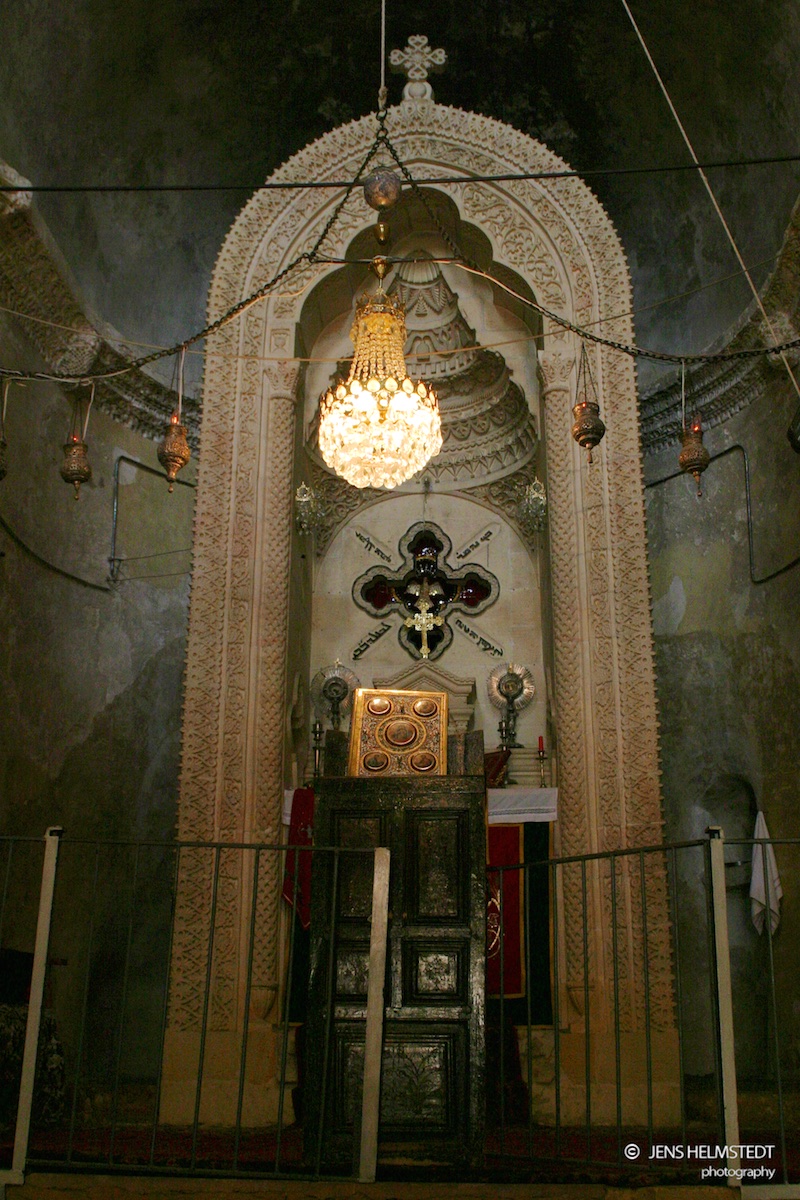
column 425, row 590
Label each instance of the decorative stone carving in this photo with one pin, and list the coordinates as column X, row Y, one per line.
column 417, row 61
column 717, row 390
column 33, row 283
column 557, row 237
column 429, row 677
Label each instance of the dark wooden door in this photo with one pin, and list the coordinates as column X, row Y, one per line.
column 433, row 1058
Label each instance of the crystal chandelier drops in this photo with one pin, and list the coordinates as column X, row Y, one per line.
column 379, row 428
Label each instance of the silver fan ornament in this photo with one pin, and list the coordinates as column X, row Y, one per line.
column 332, row 693
column 511, row 688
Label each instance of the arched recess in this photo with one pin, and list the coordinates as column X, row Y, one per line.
column 555, row 235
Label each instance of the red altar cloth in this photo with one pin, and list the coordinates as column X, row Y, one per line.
column 505, row 847
column 301, row 830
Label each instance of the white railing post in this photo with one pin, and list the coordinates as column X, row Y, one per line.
column 373, row 1039
column 722, row 953
column 25, row 1104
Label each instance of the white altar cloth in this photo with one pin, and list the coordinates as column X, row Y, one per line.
column 517, row 805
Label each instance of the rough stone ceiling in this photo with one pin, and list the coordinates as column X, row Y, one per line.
column 187, row 92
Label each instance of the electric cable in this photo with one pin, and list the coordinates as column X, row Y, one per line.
column 290, row 185
column 382, row 140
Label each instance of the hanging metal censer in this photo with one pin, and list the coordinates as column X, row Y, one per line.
column 173, row 451
column 76, row 468
column 694, row 458
column 587, row 429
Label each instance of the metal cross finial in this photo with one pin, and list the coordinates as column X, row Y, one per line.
column 417, row 61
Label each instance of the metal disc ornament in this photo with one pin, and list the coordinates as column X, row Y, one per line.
column 332, row 692
column 511, row 684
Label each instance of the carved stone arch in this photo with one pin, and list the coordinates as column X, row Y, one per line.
column 555, row 235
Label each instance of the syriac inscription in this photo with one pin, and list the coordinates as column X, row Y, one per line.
column 371, row 638
column 372, row 545
column 483, row 538
column 483, row 643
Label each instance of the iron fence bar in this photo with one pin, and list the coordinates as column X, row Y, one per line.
column 722, row 956
column 602, row 855
column 648, row 1048
column 617, row 1045
column 197, row 845
column 527, row 949
column 556, row 1015
column 328, row 1010
column 206, row 1000
column 587, row 1049
column 286, row 1007
column 34, row 1017
column 165, row 1006
column 678, row 993
column 713, row 983
column 84, row 1006
column 5, row 888
column 770, row 841
column 123, row 1001
column 502, row 1047
column 774, row 1006
column 246, row 1015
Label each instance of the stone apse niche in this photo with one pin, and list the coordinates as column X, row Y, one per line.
column 257, row 628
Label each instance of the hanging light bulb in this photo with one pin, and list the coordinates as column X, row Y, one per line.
column 173, row 451
column 378, row 428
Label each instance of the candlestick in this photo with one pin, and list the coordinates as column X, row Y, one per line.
column 542, row 760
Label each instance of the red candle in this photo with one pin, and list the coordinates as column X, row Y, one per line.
column 541, row 745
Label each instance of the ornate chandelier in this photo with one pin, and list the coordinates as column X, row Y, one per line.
column 379, row 428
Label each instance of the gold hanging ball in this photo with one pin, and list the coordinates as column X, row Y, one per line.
column 173, row 451
column 76, row 468
column 587, row 429
column 694, row 458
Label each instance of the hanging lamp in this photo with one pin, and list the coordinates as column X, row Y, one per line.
column 173, row 450
column 588, row 427
column 378, row 428
column 76, row 468
column 694, row 457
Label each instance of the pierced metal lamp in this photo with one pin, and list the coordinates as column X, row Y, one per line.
column 378, row 428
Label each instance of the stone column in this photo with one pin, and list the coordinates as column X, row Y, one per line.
column 233, row 753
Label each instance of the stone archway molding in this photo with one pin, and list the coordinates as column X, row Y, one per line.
column 555, row 234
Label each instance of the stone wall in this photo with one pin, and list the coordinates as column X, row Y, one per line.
column 728, row 670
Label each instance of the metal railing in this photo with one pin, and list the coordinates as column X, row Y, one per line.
column 118, row 1038
column 632, row 1076
column 611, row 1016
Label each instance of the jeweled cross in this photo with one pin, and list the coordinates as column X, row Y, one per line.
column 417, row 61
column 424, row 620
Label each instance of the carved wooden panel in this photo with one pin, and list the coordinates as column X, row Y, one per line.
column 436, row 868
column 435, row 971
column 424, row 1073
column 433, row 1062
